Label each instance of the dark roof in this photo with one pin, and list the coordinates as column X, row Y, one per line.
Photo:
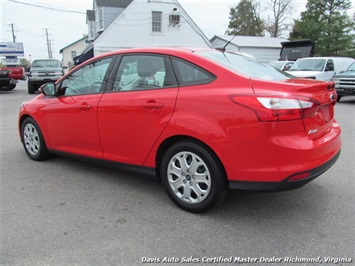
column 90, row 14
column 113, row 3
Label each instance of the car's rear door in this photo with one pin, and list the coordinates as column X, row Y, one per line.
column 132, row 116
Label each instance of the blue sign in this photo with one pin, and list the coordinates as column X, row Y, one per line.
column 11, row 49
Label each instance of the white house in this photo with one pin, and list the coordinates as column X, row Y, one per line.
column 124, row 24
column 72, row 50
column 264, row 49
column 104, row 12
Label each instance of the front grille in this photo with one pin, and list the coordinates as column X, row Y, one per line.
column 347, row 82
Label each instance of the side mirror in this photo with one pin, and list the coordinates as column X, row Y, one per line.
column 48, row 89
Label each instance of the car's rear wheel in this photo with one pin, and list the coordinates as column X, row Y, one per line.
column 193, row 176
column 33, row 141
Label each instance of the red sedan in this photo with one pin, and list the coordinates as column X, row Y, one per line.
column 202, row 121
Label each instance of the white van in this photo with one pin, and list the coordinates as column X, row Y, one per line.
column 321, row 68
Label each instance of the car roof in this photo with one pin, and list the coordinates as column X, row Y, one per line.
column 161, row 49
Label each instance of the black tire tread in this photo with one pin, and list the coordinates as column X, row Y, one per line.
column 44, row 153
column 221, row 181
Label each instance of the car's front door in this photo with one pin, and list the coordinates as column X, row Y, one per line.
column 136, row 111
column 71, row 118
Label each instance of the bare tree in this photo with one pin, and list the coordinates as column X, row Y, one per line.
column 276, row 23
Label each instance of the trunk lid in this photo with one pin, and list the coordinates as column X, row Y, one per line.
column 318, row 119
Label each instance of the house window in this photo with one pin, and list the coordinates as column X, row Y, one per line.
column 73, row 54
column 156, row 21
column 91, row 30
column 101, row 19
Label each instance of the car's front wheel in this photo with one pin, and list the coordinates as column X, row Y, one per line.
column 33, row 141
column 193, row 176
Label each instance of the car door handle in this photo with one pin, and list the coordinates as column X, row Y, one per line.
column 85, row 106
column 152, row 105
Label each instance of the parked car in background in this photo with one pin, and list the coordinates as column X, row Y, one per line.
column 202, row 121
column 282, row 65
column 43, row 71
column 9, row 77
column 345, row 82
column 321, row 68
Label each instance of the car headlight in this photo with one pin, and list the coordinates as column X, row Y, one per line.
column 336, row 80
column 23, row 104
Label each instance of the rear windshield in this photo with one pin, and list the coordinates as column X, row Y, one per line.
column 244, row 65
column 46, row 64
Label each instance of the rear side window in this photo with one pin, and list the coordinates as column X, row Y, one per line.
column 190, row 74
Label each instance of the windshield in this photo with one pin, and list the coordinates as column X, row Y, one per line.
column 245, row 66
column 46, row 64
column 308, row 65
column 277, row 64
column 351, row 68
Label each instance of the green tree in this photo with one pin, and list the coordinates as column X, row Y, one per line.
column 245, row 20
column 328, row 25
column 25, row 63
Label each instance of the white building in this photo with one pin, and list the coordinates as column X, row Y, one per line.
column 72, row 50
column 264, row 49
column 122, row 24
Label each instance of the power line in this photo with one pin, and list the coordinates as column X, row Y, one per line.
column 47, row 7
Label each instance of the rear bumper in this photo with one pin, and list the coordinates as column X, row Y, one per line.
column 286, row 184
column 7, row 81
column 41, row 81
column 4, row 81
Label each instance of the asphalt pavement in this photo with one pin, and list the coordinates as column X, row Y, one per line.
column 67, row 212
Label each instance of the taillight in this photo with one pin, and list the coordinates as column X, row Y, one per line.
column 277, row 108
column 11, row 75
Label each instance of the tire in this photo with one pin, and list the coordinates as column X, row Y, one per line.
column 193, row 176
column 339, row 97
column 33, row 141
column 31, row 87
column 9, row 87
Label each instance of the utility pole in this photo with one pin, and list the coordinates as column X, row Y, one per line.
column 13, row 32
column 50, row 55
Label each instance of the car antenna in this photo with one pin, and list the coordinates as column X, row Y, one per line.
column 224, row 47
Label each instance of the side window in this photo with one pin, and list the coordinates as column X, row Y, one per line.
column 288, row 66
column 143, row 72
column 330, row 65
column 86, row 80
column 190, row 74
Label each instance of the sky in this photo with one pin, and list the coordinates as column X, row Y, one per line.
column 31, row 23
